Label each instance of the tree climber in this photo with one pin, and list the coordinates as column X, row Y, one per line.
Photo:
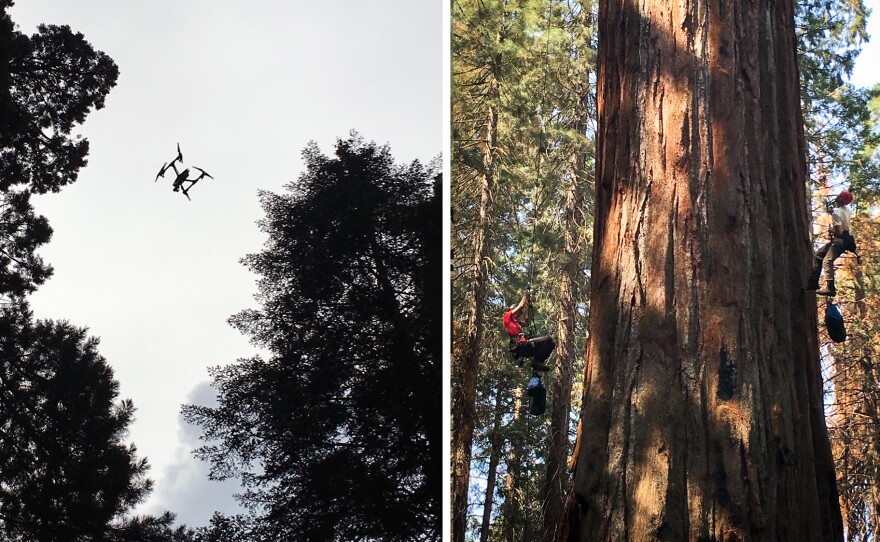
column 538, row 348
column 841, row 241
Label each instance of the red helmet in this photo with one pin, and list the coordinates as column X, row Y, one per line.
column 845, row 197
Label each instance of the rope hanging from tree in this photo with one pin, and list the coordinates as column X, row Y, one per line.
column 542, row 148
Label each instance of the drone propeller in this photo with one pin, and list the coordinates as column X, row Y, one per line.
column 179, row 154
column 204, row 173
column 162, row 171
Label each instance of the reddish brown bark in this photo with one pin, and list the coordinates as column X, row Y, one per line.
column 702, row 415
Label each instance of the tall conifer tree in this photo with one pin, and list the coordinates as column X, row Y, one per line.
column 337, row 435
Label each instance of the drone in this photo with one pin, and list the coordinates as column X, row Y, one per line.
column 182, row 176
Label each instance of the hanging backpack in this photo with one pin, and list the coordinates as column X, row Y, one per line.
column 834, row 324
column 537, row 396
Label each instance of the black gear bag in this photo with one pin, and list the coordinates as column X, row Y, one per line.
column 537, row 396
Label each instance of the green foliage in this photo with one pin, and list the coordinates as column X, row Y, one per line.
column 150, row 529
column 830, row 34
column 227, row 529
column 66, row 472
column 836, row 114
column 338, row 435
column 55, row 79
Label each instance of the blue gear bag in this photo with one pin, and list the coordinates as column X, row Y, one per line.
column 834, row 324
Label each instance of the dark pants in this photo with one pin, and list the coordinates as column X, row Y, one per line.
column 539, row 348
column 826, row 255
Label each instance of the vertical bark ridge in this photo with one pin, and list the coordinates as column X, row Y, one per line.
column 702, row 413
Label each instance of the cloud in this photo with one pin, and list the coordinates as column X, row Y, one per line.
column 183, row 487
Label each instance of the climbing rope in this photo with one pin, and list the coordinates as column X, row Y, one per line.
column 538, row 187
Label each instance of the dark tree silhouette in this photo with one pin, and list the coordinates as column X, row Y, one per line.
column 152, row 529
column 49, row 82
column 222, row 528
column 337, row 436
column 65, row 472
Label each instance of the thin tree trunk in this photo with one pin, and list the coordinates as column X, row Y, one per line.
column 466, row 353
column 874, row 503
column 512, row 499
column 557, row 479
column 703, row 416
column 870, row 387
column 496, row 443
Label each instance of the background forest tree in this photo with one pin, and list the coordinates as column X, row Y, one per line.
column 842, row 135
column 492, row 194
column 523, row 88
column 337, row 435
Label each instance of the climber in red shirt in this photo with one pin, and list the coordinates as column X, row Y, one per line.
column 521, row 346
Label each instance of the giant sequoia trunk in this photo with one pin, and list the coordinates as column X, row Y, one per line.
column 702, row 415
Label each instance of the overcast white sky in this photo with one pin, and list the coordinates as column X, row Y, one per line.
column 243, row 86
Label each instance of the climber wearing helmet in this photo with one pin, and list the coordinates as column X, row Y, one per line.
column 537, row 348
column 841, row 241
